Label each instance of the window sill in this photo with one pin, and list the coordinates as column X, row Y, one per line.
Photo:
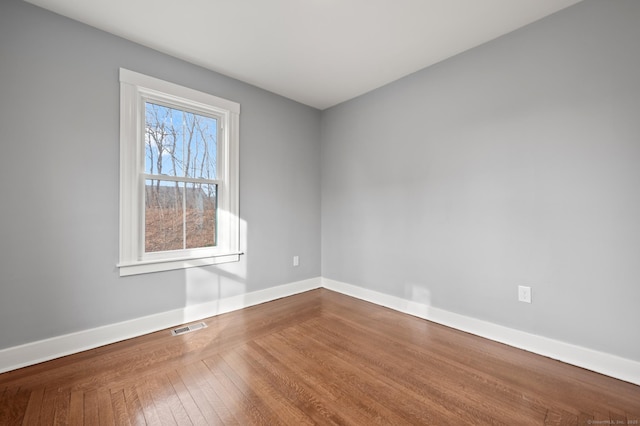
column 145, row 267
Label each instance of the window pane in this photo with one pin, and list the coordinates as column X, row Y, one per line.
column 200, row 215
column 163, row 152
column 200, row 146
column 163, row 226
column 180, row 143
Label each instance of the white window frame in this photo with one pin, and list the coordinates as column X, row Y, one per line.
column 135, row 90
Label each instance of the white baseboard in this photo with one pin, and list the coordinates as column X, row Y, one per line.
column 56, row 347
column 600, row 362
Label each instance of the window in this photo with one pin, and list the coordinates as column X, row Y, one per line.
column 178, row 176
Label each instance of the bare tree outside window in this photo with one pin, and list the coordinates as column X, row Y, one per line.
column 181, row 170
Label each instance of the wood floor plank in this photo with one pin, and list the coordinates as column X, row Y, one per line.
column 318, row 357
column 32, row 412
column 323, row 375
column 358, row 392
column 230, row 393
column 208, row 401
column 48, row 406
column 76, row 409
column 147, row 404
column 299, row 395
column 134, row 407
column 151, row 414
column 165, row 395
column 238, row 379
column 4, row 398
column 190, row 406
column 560, row 418
column 14, row 405
column 267, row 390
column 120, row 413
column 91, row 410
column 105, row 407
column 62, row 406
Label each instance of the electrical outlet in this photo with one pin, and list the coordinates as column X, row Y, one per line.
column 524, row 294
column 296, row 261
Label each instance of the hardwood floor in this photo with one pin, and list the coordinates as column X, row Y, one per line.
column 314, row 358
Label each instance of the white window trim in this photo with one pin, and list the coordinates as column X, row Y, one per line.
column 135, row 88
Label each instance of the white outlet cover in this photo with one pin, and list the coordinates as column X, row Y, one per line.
column 524, row 294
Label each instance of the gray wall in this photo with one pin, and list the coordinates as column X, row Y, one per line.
column 59, row 156
column 517, row 162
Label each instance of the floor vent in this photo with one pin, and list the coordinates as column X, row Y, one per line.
column 188, row 328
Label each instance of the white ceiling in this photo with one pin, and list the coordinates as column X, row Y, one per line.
column 317, row 52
